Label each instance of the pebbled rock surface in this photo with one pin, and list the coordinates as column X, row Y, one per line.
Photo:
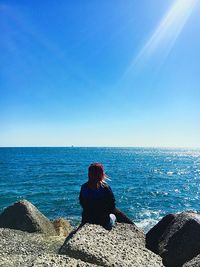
column 195, row 262
column 25, row 216
column 21, row 249
column 179, row 242
column 19, row 242
column 123, row 246
column 43, row 260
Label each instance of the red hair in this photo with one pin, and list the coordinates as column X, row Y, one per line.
column 96, row 173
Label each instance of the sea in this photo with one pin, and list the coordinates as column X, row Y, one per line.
column 148, row 183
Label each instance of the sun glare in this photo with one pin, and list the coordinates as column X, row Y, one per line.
column 166, row 33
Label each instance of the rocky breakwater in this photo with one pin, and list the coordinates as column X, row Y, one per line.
column 29, row 239
column 176, row 238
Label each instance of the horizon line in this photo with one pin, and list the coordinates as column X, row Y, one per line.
column 73, row 146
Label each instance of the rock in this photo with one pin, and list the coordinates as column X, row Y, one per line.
column 62, row 227
column 153, row 236
column 195, row 262
column 123, row 246
column 179, row 242
column 24, row 216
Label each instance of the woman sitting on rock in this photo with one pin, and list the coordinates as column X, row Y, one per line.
column 97, row 199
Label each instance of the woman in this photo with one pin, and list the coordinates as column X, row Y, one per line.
column 97, row 199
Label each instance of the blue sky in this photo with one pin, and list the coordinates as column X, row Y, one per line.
column 100, row 73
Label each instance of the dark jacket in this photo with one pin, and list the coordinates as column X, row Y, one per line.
column 97, row 204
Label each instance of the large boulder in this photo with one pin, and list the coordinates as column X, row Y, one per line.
column 176, row 238
column 24, row 216
column 195, row 262
column 123, row 246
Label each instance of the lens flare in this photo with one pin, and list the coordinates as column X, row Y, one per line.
column 165, row 35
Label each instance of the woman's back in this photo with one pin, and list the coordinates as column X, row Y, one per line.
column 97, row 203
column 96, row 197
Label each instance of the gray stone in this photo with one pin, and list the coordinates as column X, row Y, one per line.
column 24, row 216
column 195, row 262
column 123, row 246
column 180, row 241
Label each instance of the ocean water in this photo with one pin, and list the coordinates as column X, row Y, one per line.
column 147, row 183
